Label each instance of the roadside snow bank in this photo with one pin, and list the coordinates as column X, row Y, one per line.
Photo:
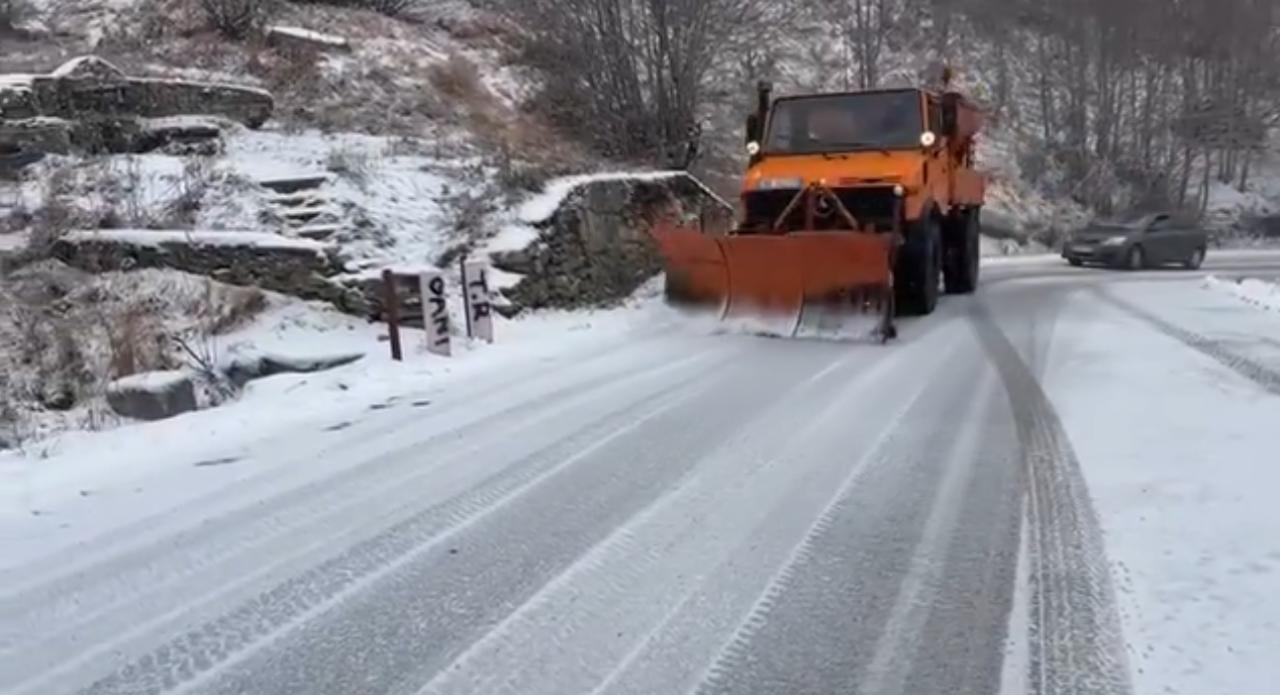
column 1260, row 293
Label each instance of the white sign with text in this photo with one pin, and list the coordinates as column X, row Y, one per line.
column 435, row 312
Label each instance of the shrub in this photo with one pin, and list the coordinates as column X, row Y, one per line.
column 14, row 12
column 237, row 19
column 189, row 193
column 456, row 77
column 390, row 8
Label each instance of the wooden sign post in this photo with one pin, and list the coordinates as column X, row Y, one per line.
column 391, row 309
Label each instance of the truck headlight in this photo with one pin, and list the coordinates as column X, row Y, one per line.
column 1115, row 241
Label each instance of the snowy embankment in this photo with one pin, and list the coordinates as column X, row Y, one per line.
column 1170, row 411
column 1260, row 293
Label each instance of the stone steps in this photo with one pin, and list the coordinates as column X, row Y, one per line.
column 304, row 208
column 294, row 184
column 318, row 232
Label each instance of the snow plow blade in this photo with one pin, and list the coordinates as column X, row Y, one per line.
column 789, row 277
column 695, row 267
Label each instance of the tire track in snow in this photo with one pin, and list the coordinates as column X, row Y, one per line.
column 899, row 642
column 393, row 637
column 636, row 579
column 739, row 650
column 221, row 643
column 90, row 556
column 1265, row 377
column 261, row 616
column 168, row 571
column 847, row 616
column 1076, row 643
column 88, row 593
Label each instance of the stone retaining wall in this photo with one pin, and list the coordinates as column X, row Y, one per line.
column 596, row 250
column 299, row 272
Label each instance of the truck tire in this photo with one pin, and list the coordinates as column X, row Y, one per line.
column 918, row 269
column 961, row 266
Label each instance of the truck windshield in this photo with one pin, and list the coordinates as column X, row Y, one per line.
column 846, row 122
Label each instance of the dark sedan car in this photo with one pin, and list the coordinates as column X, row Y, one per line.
column 1145, row 242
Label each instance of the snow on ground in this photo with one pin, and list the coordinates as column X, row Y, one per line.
column 1218, row 316
column 1179, row 454
column 12, row 242
column 59, row 490
column 329, row 40
column 1260, row 293
column 390, row 202
column 150, row 381
column 156, row 237
column 1227, row 204
column 1022, row 259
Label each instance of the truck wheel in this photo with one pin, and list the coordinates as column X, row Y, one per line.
column 918, row 269
column 963, row 250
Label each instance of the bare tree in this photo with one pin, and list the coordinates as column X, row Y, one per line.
column 634, row 72
column 864, row 26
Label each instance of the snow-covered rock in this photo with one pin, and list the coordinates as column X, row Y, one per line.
column 153, row 395
column 247, row 367
column 297, row 37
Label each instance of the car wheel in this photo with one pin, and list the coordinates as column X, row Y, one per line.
column 1197, row 258
column 1075, row 262
column 1136, row 259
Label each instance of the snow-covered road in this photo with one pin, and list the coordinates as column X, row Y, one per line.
column 1059, row 485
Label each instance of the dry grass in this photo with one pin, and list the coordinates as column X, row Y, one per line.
column 137, row 341
column 459, row 78
column 189, row 194
column 55, row 216
column 350, row 163
column 226, row 307
column 64, row 335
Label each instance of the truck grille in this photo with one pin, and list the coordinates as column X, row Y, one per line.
column 869, row 204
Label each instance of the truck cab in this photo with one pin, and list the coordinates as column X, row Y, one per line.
column 868, row 148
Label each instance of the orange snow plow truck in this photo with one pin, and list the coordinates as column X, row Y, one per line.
column 853, row 204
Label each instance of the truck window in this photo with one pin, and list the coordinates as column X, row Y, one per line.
column 845, row 123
